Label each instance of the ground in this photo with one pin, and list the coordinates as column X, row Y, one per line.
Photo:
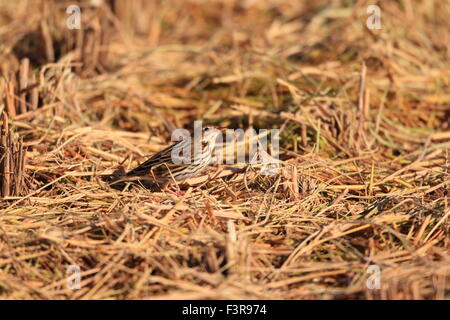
column 358, row 210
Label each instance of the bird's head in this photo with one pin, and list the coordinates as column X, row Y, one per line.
column 210, row 135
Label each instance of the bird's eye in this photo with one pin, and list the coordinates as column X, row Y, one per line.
column 206, row 129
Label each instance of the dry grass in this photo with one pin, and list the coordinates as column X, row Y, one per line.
column 365, row 146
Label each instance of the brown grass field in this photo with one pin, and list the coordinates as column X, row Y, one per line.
column 364, row 116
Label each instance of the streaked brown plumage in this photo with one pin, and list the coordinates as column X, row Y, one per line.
column 165, row 167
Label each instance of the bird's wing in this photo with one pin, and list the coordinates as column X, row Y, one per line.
column 159, row 164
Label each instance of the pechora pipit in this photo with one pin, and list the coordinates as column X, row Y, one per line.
column 172, row 164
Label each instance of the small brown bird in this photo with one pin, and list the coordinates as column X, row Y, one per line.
column 177, row 162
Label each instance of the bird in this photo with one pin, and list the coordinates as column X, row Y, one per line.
column 167, row 166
